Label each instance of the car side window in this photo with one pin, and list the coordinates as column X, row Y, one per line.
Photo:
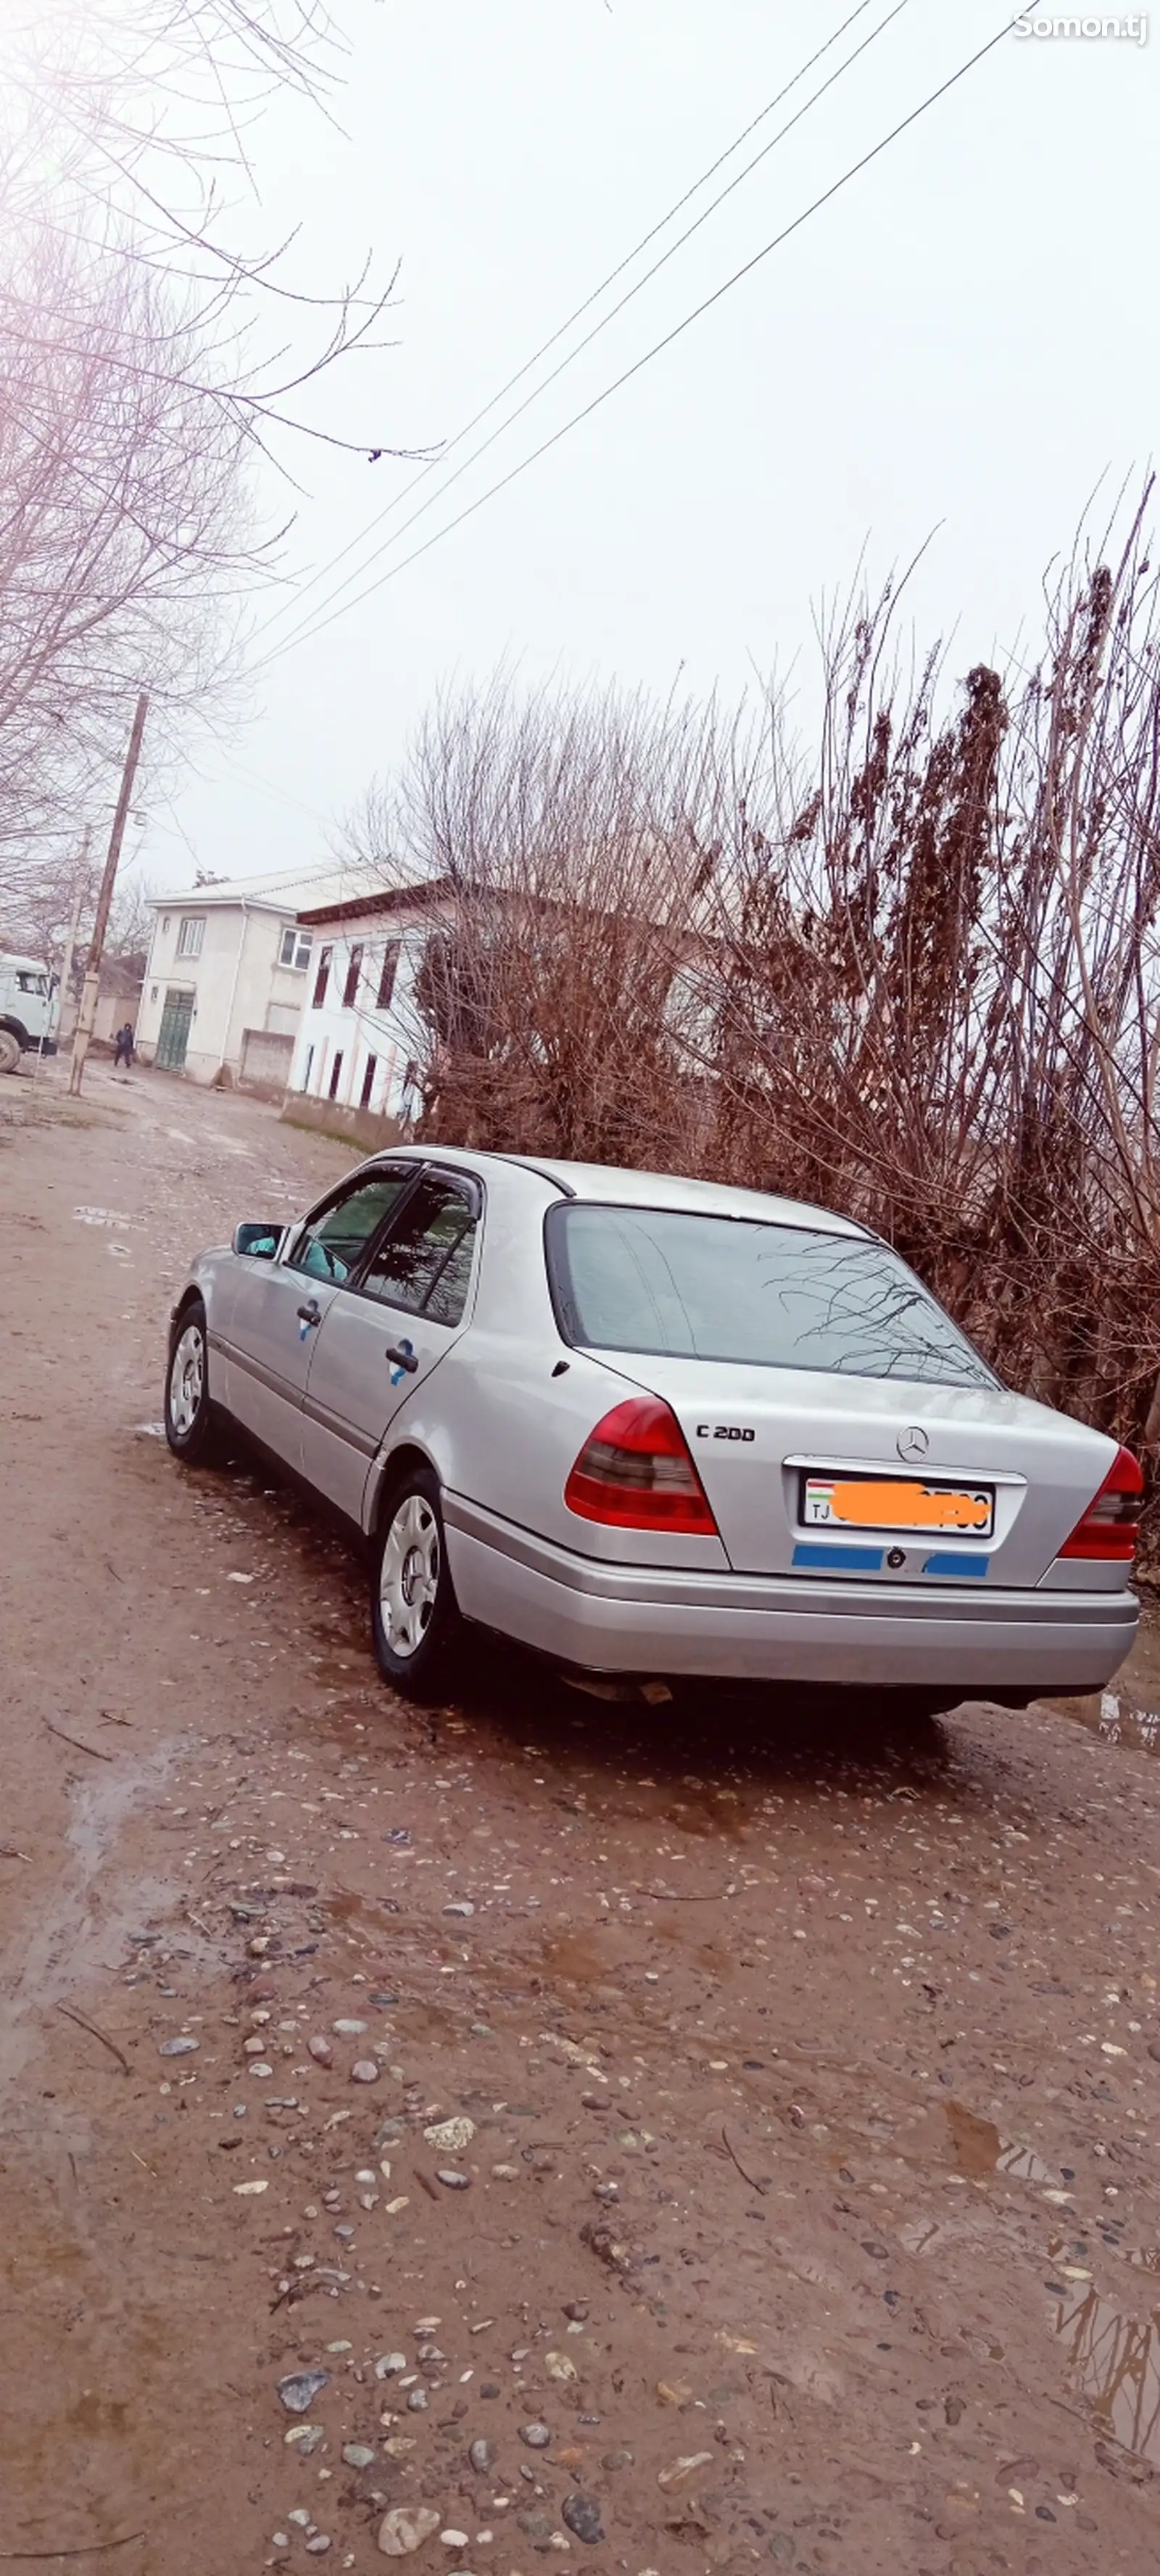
column 424, row 1264
column 336, row 1237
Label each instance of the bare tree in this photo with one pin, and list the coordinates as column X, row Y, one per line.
column 124, row 535
column 578, row 837
column 145, row 115
column 148, row 361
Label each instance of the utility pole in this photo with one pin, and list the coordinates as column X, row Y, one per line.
column 70, row 943
column 88, row 1009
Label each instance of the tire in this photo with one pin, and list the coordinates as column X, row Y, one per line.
column 190, row 1423
column 10, row 1052
column 415, row 1622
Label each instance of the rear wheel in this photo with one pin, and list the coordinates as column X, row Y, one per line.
column 190, row 1425
column 415, row 1618
column 9, row 1051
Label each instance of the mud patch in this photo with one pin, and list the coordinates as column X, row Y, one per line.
column 1113, row 2362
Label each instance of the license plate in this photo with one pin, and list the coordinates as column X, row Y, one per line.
column 897, row 1503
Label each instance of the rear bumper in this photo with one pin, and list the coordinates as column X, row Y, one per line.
column 613, row 1618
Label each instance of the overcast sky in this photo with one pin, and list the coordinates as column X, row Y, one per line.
column 963, row 341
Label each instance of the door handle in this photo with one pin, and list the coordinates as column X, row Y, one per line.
column 401, row 1356
column 310, row 1314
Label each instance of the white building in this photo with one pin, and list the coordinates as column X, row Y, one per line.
column 359, row 1032
column 228, row 970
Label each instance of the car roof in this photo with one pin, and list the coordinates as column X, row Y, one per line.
column 609, row 1185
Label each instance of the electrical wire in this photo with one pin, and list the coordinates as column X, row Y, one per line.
column 435, row 462
column 308, row 632
column 602, row 325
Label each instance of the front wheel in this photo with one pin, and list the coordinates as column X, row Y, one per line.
column 415, row 1621
column 9, row 1051
column 190, row 1427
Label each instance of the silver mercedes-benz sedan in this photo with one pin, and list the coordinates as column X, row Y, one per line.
column 653, row 1427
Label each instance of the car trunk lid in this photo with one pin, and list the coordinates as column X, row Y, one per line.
column 829, row 1476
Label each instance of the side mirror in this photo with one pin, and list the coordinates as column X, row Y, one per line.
column 259, row 1241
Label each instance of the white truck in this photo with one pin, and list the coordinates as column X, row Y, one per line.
column 27, row 1009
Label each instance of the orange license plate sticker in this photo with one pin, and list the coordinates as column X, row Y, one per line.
column 892, row 1504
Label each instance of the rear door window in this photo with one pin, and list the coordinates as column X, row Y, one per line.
column 424, row 1262
column 659, row 1280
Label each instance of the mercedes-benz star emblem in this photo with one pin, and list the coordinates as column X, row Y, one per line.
column 913, row 1442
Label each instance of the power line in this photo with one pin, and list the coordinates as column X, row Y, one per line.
column 307, row 633
column 285, row 795
column 572, row 354
column 547, row 345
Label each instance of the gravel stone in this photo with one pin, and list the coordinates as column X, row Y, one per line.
column 454, row 2135
column 582, row 2515
column 405, row 2529
column 300, row 2389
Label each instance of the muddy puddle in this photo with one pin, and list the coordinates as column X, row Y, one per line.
column 1113, row 2363
column 955, row 2137
column 80, row 1926
column 1128, row 1713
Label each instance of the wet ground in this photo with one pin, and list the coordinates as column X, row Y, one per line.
column 799, row 2201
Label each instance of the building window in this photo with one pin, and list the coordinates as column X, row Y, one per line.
column 153, row 992
column 166, row 923
column 368, row 1081
column 387, row 974
column 309, row 1068
column 191, row 934
column 353, row 971
column 295, row 948
column 335, row 1071
column 322, row 979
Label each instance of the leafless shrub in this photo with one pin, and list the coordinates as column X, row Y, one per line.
column 939, row 1005
column 915, row 979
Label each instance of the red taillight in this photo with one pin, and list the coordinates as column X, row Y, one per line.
column 1110, row 1525
column 636, row 1472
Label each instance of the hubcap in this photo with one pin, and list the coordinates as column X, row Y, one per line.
column 186, row 1380
column 410, row 1576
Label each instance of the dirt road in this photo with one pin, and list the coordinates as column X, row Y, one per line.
column 799, row 2202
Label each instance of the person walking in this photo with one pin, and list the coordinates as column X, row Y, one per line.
column 124, row 1047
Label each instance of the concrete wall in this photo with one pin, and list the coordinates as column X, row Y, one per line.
column 111, row 1014
column 326, row 1118
column 265, row 1061
column 236, row 980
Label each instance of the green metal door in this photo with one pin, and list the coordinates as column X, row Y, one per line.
column 173, row 1035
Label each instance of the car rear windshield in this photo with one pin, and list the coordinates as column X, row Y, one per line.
column 726, row 1288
